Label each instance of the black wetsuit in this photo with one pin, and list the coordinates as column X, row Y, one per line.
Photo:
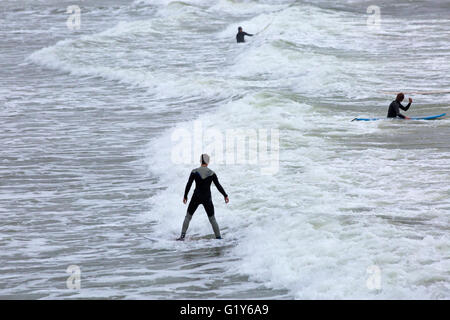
column 240, row 36
column 203, row 177
column 394, row 109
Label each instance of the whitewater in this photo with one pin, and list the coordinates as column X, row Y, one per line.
column 102, row 124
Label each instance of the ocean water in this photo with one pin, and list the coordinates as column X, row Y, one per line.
column 93, row 113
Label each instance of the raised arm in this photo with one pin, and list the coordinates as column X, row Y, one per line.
column 404, row 108
column 248, row 34
column 407, row 107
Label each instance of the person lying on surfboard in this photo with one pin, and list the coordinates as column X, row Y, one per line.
column 240, row 35
column 203, row 177
column 394, row 108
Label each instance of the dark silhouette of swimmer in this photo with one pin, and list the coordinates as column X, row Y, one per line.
column 240, row 35
column 395, row 106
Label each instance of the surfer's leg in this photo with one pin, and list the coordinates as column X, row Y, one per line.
column 187, row 220
column 209, row 207
column 215, row 226
column 193, row 205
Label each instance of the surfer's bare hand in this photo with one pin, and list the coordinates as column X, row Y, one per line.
column 184, row 200
column 227, row 200
column 410, row 100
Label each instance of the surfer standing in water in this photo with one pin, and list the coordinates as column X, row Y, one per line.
column 203, row 177
column 240, row 35
column 394, row 108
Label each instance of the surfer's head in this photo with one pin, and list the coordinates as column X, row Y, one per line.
column 400, row 97
column 204, row 159
column 240, row 29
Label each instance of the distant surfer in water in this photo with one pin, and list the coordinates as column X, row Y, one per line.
column 203, row 177
column 240, row 35
column 394, row 108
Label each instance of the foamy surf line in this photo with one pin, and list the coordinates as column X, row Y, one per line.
column 320, row 208
column 152, row 63
column 158, row 84
column 303, row 236
column 307, row 235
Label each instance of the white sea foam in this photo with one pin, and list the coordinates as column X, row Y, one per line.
column 335, row 209
column 328, row 215
column 347, row 197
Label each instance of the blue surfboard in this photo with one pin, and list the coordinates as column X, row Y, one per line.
column 412, row 118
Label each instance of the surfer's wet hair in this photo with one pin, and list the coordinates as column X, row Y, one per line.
column 400, row 97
